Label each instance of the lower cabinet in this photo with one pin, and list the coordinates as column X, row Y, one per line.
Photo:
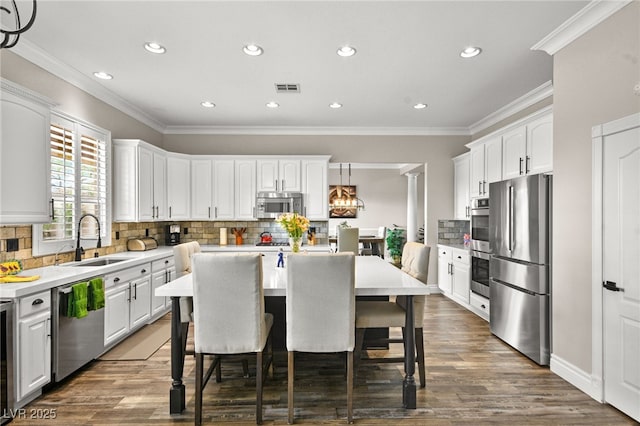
column 454, row 275
column 127, row 302
column 34, row 343
column 162, row 272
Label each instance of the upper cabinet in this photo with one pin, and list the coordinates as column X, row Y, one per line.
column 315, row 188
column 139, row 181
column 245, row 189
column 24, row 133
column 485, row 166
column 223, row 189
column 282, row 175
column 528, row 149
column 522, row 148
column 178, row 186
column 461, row 177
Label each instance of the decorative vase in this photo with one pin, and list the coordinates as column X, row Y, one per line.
column 294, row 242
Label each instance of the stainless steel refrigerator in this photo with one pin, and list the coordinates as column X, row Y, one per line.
column 520, row 273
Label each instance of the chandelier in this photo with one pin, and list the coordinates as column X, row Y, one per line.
column 344, row 198
column 10, row 36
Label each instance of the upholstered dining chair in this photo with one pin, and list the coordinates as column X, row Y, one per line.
column 229, row 316
column 320, row 311
column 348, row 240
column 182, row 254
column 383, row 314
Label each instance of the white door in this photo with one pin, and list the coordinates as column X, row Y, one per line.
column 289, row 173
column 514, row 147
column 146, row 206
column 477, row 171
column 224, row 189
column 201, row 189
column 160, row 185
column 178, row 187
column 461, row 200
column 245, row 183
column 621, row 270
column 315, row 188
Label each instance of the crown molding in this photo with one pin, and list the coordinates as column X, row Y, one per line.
column 536, row 95
column 587, row 18
column 9, row 86
column 41, row 58
column 292, row 130
column 387, row 166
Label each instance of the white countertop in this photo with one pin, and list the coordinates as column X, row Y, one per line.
column 456, row 246
column 54, row 276
column 374, row 277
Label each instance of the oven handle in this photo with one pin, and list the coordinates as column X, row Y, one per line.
column 480, row 254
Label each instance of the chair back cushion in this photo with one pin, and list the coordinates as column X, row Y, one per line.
column 182, row 255
column 228, row 303
column 321, row 302
column 348, row 239
column 415, row 262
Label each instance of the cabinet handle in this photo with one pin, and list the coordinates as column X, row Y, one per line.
column 484, row 186
column 209, row 212
column 483, row 306
column 169, row 212
column 143, row 271
column 37, row 302
column 166, row 262
column 129, row 296
column 215, row 212
column 276, row 185
column 49, row 327
column 283, row 184
column 116, row 279
column 526, row 165
column 135, row 291
column 520, row 167
column 479, row 187
column 53, row 212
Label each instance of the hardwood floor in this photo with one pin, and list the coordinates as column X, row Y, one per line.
column 472, row 379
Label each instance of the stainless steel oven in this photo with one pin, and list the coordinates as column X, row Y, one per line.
column 480, row 225
column 480, row 273
column 6, row 361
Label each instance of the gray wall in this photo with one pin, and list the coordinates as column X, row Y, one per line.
column 593, row 83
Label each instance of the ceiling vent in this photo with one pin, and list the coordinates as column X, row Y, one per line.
column 287, row 88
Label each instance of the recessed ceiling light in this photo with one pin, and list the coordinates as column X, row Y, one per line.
column 252, row 50
column 154, row 47
column 207, row 104
column 103, row 75
column 335, row 105
column 346, row 51
column 470, row 52
column 272, row 104
column 420, row 106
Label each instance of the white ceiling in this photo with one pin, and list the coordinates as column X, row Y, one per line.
column 407, row 52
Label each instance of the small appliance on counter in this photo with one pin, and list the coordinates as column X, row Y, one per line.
column 172, row 234
column 142, row 244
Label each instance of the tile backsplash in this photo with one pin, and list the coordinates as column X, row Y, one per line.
column 206, row 233
column 452, row 231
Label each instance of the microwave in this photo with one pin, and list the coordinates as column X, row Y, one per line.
column 270, row 205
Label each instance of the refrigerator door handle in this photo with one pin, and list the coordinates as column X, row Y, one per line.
column 511, row 219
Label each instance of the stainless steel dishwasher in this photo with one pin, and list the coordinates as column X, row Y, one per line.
column 76, row 341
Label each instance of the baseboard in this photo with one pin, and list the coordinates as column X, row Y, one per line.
column 582, row 380
column 433, row 289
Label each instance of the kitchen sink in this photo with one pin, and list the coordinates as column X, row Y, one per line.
column 98, row 262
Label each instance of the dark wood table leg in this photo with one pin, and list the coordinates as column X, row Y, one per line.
column 177, row 392
column 409, row 383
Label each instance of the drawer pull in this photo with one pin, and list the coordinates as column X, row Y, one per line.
column 37, row 302
column 144, row 271
column 483, row 306
column 116, row 279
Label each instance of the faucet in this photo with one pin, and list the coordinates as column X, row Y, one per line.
column 79, row 249
column 56, row 261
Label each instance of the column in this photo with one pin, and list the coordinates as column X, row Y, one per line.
column 412, row 206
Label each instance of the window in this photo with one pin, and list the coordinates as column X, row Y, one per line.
column 79, row 186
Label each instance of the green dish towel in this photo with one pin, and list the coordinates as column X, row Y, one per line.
column 95, row 299
column 77, row 301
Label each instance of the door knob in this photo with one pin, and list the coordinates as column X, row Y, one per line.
column 610, row 285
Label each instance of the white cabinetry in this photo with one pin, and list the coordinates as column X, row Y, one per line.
column 528, row 149
column 315, row 188
column 223, row 189
column 201, row 188
column 461, row 198
column 139, row 181
column 178, row 186
column 454, row 273
column 34, row 343
column 162, row 272
column 485, row 166
column 24, row 134
column 281, row 175
column 245, row 189
column 127, row 302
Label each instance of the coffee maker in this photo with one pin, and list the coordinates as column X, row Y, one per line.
column 172, row 234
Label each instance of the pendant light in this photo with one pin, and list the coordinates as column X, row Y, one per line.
column 348, row 201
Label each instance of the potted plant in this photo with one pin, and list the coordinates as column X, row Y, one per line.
column 395, row 242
